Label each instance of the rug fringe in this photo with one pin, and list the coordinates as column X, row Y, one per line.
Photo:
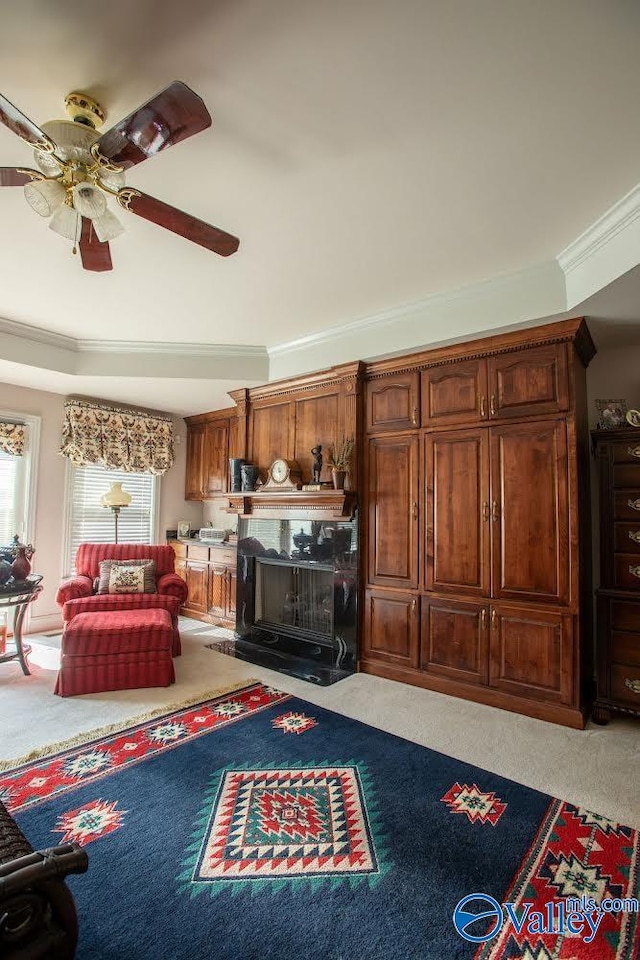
column 85, row 736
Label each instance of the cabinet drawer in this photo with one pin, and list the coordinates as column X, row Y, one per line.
column 196, row 552
column 624, row 615
column 627, row 571
column 626, row 476
column 625, row 648
column 228, row 557
column 627, row 452
column 621, row 677
column 626, row 505
column 627, row 537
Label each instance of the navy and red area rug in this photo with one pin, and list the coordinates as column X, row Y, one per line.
column 257, row 826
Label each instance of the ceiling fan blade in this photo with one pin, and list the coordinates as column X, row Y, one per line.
column 26, row 129
column 95, row 255
column 16, row 176
column 171, row 116
column 178, row 222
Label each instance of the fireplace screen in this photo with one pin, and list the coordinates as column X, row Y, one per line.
column 295, row 597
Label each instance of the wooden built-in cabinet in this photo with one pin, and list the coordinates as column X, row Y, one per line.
column 209, row 446
column 618, row 597
column 210, row 574
column 477, row 521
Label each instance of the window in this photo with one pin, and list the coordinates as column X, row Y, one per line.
column 17, row 482
column 12, row 497
column 89, row 521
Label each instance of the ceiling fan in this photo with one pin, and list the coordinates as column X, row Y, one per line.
column 78, row 169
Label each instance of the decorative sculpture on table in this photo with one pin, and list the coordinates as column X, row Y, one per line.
column 317, row 462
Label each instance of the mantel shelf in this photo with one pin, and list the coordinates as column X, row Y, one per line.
column 304, row 504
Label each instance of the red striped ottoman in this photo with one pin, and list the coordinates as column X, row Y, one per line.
column 116, row 650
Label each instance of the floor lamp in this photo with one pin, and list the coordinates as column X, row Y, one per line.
column 115, row 499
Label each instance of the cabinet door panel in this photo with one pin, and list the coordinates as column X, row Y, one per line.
column 458, row 527
column 231, row 592
column 196, row 577
column 530, row 512
column 216, row 458
column 392, row 402
column 455, row 639
column 393, row 511
column 531, row 653
column 193, row 487
column 391, row 627
column 217, row 597
column 532, row 381
column 454, row 393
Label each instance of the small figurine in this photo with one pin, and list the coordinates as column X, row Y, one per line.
column 317, row 462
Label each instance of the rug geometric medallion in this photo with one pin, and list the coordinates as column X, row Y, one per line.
column 256, row 826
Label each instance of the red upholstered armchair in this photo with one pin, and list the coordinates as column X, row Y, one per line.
column 77, row 595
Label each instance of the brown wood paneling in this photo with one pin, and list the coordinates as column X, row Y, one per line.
column 217, row 602
column 193, row 487
column 391, row 627
column 392, row 533
column 531, row 653
column 392, row 403
column 530, row 511
column 455, row 638
column 316, row 421
column 458, row 515
column 529, row 382
column 271, row 433
column 455, row 393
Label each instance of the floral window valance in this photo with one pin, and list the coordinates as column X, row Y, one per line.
column 118, row 439
column 12, row 438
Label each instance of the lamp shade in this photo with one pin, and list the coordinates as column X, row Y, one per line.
column 115, row 496
column 107, row 226
column 44, row 196
column 89, row 201
column 65, row 222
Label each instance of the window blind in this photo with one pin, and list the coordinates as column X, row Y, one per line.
column 90, row 522
column 10, row 497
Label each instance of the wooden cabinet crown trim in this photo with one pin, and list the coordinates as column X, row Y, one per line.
column 229, row 413
column 565, row 331
column 347, row 373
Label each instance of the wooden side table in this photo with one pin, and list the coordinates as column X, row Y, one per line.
column 19, row 594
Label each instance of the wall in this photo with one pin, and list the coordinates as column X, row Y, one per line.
column 50, row 495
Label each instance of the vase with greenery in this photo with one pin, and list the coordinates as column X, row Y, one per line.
column 340, row 453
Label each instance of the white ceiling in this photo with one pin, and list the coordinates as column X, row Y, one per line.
column 368, row 153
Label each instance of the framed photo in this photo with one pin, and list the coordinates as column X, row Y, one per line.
column 184, row 529
column 611, row 414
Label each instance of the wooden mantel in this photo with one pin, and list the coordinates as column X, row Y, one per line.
column 301, row 504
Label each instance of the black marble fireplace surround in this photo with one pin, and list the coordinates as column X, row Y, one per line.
column 296, row 602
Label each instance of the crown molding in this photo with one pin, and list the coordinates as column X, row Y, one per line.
column 603, row 231
column 219, row 350
column 435, row 302
column 25, row 331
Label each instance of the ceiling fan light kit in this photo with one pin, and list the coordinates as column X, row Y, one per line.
column 78, row 169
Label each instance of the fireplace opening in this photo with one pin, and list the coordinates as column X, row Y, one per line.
column 297, row 596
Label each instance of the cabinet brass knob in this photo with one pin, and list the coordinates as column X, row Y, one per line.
column 494, row 619
column 634, row 535
column 414, row 510
column 485, row 510
column 495, row 510
column 483, row 406
column 634, row 451
column 633, row 685
column 414, row 417
column 634, row 504
column 492, row 405
column 414, row 606
column 634, row 571
column 483, row 619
